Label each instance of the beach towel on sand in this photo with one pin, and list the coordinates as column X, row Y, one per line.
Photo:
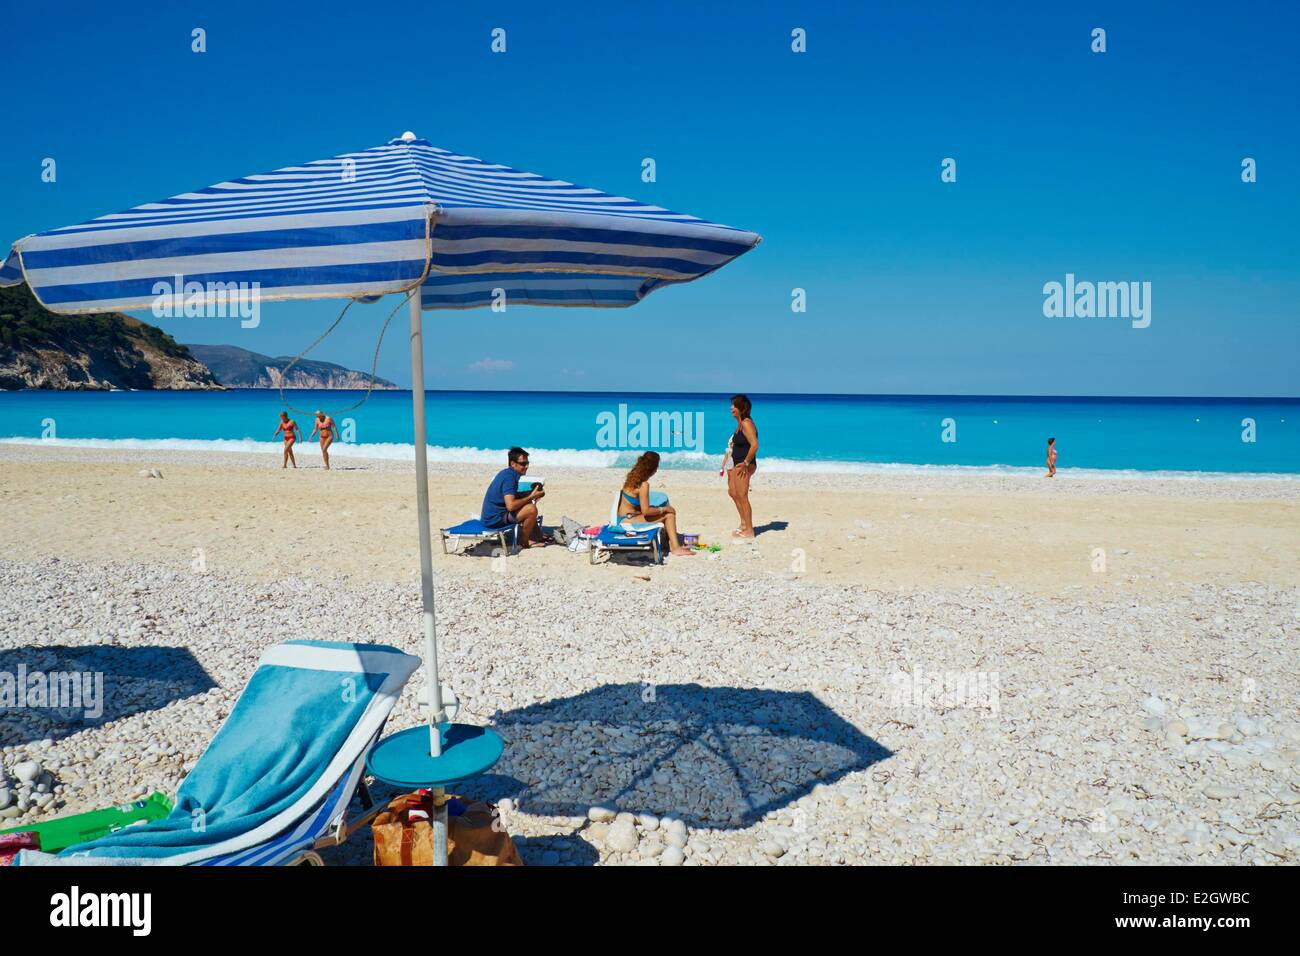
column 310, row 710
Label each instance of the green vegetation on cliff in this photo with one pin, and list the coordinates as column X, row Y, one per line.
column 25, row 323
column 40, row 349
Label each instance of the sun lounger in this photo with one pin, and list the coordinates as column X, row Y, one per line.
column 275, row 783
column 624, row 534
column 475, row 531
column 614, row 538
column 326, row 826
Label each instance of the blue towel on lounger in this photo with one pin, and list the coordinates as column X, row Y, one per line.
column 613, row 536
column 309, row 712
column 476, row 527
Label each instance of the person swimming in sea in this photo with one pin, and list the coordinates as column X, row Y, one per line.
column 1051, row 458
column 324, row 425
column 291, row 435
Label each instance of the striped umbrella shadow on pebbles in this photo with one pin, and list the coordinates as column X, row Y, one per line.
column 712, row 757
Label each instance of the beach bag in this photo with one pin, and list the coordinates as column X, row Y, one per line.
column 567, row 533
column 475, row 838
column 404, row 838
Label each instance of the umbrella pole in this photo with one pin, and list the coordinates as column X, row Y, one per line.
column 439, row 820
column 422, row 514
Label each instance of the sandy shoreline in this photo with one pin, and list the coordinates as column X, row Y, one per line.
column 243, row 514
column 1142, row 714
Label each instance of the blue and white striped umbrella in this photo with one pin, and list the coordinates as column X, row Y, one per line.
column 358, row 226
column 378, row 221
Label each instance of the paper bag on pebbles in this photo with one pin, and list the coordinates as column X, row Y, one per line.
column 471, row 838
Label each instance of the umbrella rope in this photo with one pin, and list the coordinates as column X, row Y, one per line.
column 374, row 364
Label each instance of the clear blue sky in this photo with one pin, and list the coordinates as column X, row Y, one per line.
column 1116, row 166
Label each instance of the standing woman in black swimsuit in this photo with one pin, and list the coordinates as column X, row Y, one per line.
column 744, row 452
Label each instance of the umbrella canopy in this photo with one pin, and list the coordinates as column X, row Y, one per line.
column 377, row 221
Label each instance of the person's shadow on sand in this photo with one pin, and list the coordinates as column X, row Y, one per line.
column 770, row 526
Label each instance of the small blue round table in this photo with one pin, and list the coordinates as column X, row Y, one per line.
column 403, row 759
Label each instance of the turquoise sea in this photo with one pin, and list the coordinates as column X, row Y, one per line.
column 797, row 432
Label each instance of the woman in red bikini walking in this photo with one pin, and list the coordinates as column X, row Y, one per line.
column 324, row 425
column 291, row 435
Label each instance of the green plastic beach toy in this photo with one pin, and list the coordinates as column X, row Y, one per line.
column 63, row 832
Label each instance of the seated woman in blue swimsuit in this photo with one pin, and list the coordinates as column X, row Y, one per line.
column 634, row 500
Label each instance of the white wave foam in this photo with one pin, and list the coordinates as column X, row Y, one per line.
column 612, row 458
column 792, row 465
column 392, row 451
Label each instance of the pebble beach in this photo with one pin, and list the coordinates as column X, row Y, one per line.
column 944, row 670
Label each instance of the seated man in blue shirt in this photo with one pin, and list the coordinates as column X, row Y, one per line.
column 503, row 505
